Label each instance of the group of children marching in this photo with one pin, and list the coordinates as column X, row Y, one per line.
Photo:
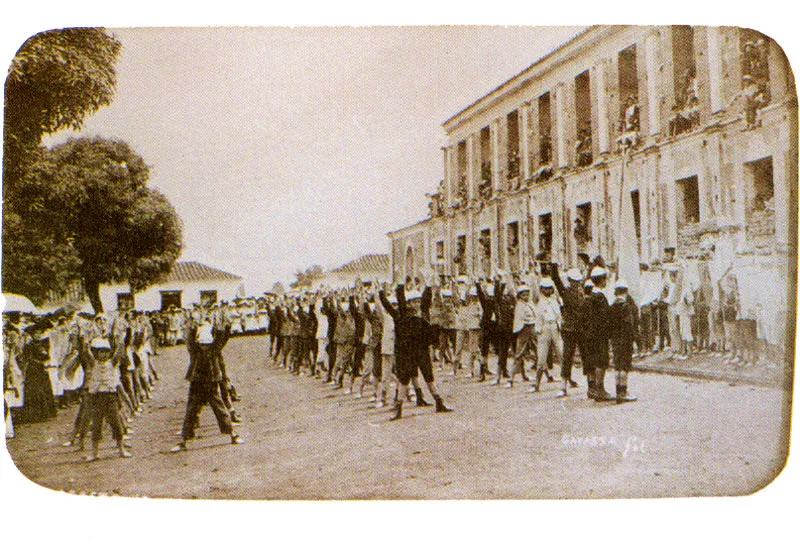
column 372, row 340
column 382, row 338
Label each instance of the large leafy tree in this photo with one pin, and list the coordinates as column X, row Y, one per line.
column 56, row 79
column 89, row 198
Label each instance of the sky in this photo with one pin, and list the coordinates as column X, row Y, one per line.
column 282, row 148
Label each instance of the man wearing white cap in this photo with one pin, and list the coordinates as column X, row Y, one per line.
column 572, row 327
column 548, row 328
column 623, row 325
column 597, row 334
column 205, row 374
column 524, row 326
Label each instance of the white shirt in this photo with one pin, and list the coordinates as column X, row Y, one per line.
column 548, row 311
column 524, row 314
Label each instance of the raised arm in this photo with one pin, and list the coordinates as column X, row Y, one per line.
column 556, row 277
column 391, row 310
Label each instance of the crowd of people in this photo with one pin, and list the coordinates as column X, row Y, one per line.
column 103, row 364
column 374, row 340
column 382, row 338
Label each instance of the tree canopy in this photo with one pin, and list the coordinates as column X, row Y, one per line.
column 306, row 278
column 56, row 79
column 88, row 198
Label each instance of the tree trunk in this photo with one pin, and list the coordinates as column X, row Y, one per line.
column 92, row 288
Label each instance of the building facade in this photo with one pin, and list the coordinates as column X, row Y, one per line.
column 188, row 283
column 692, row 131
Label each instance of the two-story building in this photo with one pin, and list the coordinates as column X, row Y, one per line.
column 690, row 131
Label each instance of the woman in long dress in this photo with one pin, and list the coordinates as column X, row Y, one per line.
column 39, row 402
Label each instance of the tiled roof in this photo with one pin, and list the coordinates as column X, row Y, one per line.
column 367, row 265
column 192, row 271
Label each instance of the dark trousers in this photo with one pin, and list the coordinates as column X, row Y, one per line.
column 664, row 337
column 504, row 340
column 358, row 359
column 202, row 393
column 331, row 358
column 572, row 340
column 105, row 406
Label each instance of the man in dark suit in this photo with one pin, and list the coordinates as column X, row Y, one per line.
column 623, row 325
column 598, row 330
column 488, row 325
column 205, row 343
column 572, row 313
column 505, row 307
column 412, row 338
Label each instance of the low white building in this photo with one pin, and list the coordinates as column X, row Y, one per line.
column 188, row 282
column 367, row 268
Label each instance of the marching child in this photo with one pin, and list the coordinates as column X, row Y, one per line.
column 102, row 396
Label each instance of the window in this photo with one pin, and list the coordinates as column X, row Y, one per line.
column 688, row 201
column 754, row 49
column 545, row 235
column 545, row 142
column 512, row 124
column 170, row 299
column 460, row 258
column 583, row 119
column 125, row 302
column 582, row 227
column 439, row 263
column 461, row 172
column 761, row 185
column 685, row 111
column 485, row 185
column 410, row 262
column 683, row 65
column 485, row 242
column 208, row 297
column 628, row 90
column 637, row 217
column 513, row 246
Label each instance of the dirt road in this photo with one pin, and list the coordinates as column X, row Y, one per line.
column 304, row 441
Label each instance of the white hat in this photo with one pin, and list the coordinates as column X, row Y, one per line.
column 413, row 295
column 462, row 279
column 204, row 334
column 597, row 272
column 490, row 289
column 100, row 343
column 447, row 293
column 523, row 289
column 546, row 282
column 621, row 284
column 574, row 275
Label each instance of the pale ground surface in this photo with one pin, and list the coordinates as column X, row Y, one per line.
column 683, row 437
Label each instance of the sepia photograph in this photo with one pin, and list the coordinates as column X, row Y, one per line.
column 437, row 262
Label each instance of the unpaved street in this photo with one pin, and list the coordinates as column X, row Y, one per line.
column 304, row 441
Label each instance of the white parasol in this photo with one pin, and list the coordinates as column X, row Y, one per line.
column 17, row 303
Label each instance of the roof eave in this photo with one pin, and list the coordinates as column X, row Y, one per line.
column 526, row 75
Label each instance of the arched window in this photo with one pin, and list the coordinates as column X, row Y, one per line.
column 410, row 270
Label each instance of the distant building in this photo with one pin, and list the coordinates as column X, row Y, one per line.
column 692, row 131
column 188, row 282
column 368, row 267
